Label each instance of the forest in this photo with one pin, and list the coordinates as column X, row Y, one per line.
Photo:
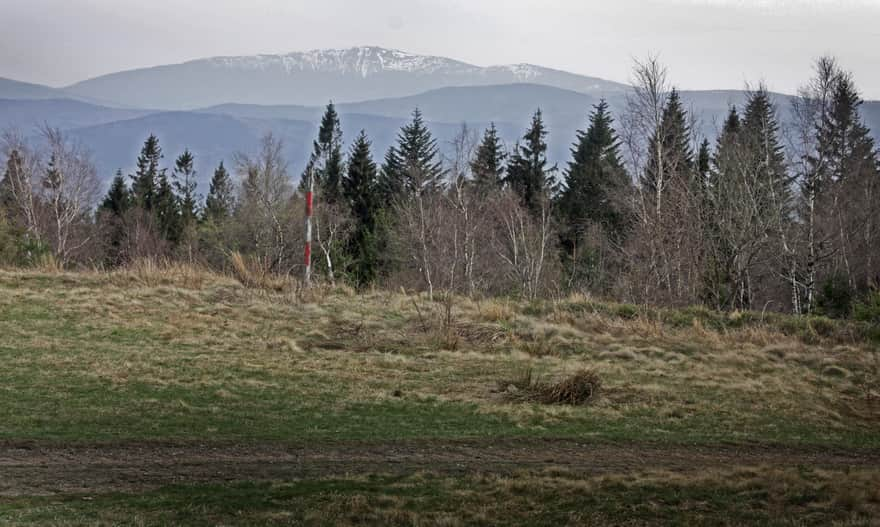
column 780, row 212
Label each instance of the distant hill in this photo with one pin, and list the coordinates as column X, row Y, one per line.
column 12, row 89
column 63, row 113
column 312, row 78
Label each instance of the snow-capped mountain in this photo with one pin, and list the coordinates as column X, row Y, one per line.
column 313, row 78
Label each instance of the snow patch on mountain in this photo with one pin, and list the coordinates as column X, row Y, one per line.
column 362, row 61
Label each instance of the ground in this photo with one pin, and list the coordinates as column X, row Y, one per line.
column 175, row 396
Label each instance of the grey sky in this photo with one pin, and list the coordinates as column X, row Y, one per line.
column 705, row 43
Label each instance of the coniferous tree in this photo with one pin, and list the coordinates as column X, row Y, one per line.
column 7, row 197
column 413, row 165
column 221, row 196
column 527, row 172
column 488, row 164
column 111, row 214
column 765, row 155
column 326, row 164
column 185, row 188
column 594, row 180
column 704, row 161
column 845, row 181
column 118, row 198
column 360, row 189
column 145, row 180
column 670, row 156
column 167, row 210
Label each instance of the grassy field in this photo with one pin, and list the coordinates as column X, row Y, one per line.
column 151, row 360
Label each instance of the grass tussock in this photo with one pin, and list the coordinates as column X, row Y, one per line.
column 581, row 388
column 253, row 272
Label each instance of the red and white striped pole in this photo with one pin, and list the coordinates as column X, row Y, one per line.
column 309, row 208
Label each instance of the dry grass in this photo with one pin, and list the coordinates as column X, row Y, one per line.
column 581, row 388
column 184, row 328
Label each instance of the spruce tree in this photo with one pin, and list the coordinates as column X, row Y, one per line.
column 144, row 184
column 118, row 198
column 594, row 181
column 488, row 164
column 325, row 163
column 765, row 155
column 13, row 166
column 669, row 153
column 167, row 210
column 527, row 173
column 413, row 165
column 221, row 196
column 360, row 190
column 185, row 189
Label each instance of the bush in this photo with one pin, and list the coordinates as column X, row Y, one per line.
column 835, row 297
column 868, row 310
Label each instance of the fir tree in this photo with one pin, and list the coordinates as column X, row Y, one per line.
column 670, row 156
column 488, row 164
column 185, row 189
column 144, row 184
column 360, row 191
column 221, row 196
column 413, row 165
column 527, row 172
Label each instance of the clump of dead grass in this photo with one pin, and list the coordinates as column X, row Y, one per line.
column 578, row 389
column 152, row 272
column 253, row 272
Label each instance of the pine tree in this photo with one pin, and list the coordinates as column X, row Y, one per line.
column 360, row 190
column 413, row 165
column 184, row 182
column 221, row 196
column 145, row 180
column 118, row 198
column 670, row 156
column 527, row 172
column 488, row 164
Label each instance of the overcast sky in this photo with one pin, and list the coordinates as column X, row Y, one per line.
column 705, row 43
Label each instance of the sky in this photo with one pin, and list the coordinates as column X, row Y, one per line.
column 706, row 44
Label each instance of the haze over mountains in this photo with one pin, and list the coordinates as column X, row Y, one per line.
column 222, row 105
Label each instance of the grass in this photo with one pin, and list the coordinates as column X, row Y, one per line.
column 157, row 354
column 103, row 357
column 793, row 496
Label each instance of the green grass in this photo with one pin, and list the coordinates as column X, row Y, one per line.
column 92, row 358
column 799, row 497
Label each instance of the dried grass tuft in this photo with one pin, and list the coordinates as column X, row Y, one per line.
column 579, row 389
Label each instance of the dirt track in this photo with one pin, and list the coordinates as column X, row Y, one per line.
column 29, row 468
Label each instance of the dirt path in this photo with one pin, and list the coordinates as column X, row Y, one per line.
column 48, row 469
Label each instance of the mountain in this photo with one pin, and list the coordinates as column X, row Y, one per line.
column 62, row 113
column 312, row 78
column 12, row 89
